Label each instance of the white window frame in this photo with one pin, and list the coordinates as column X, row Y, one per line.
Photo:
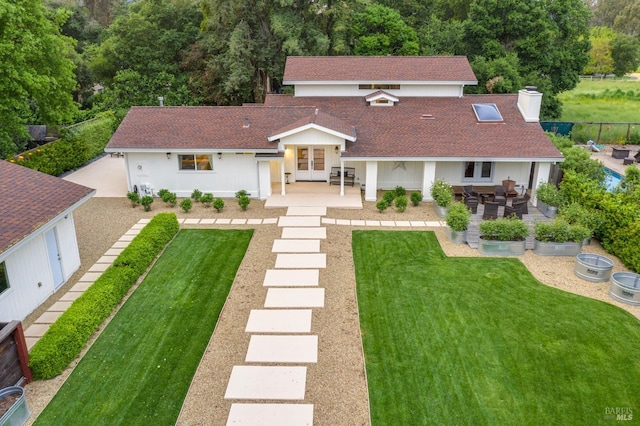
column 4, row 276
column 195, row 162
column 477, row 170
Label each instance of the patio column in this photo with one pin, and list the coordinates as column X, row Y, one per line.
column 540, row 174
column 371, row 185
column 341, row 178
column 264, row 179
column 428, row 177
column 283, row 178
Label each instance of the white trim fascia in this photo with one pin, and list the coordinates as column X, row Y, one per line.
column 386, row 96
column 409, row 82
column 456, row 159
column 45, row 227
column 193, row 150
column 314, row 126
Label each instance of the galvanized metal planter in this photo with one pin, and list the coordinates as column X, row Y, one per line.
column 440, row 211
column 593, row 267
column 501, row 248
column 19, row 413
column 556, row 249
column 456, row 237
column 625, row 287
column 547, row 210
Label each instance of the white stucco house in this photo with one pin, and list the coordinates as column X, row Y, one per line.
column 38, row 246
column 396, row 120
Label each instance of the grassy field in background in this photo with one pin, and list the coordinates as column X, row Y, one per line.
column 139, row 370
column 479, row 341
column 603, row 101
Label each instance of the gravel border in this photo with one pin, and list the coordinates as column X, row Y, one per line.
column 336, row 385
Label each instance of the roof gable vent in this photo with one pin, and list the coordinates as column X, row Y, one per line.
column 381, row 98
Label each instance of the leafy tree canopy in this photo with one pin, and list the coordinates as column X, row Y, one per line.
column 380, row 30
column 37, row 70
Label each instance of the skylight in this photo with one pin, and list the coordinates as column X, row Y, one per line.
column 487, row 112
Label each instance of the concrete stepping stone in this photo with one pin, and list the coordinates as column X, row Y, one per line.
column 306, row 211
column 145, row 221
column 254, row 222
column 90, row 276
column 48, row 317
column 207, row 221
column 265, row 382
column 191, row 221
column 238, row 221
column 358, row 223
column 99, row 267
column 269, row 221
column 299, row 221
column 387, row 223
column 270, row 414
column 223, row 221
column 138, row 226
column 311, row 233
column 294, row 298
column 120, row 244
column 60, row 306
column 328, row 221
column 343, row 222
column 291, row 278
column 113, row 252
column 107, row 259
column 31, row 342
column 180, row 221
column 433, row 223
column 283, row 349
column 36, row 330
column 279, row 321
column 417, row 223
column 132, row 232
column 403, row 223
column 70, row 296
column 372, row 222
column 307, row 260
column 126, row 238
column 296, row 246
column 81, row 286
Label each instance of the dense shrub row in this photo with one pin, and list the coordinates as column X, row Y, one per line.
column 76, row 146
column 64, row 340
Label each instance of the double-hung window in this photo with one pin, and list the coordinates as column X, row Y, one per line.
column 195, row 162
column 478, row 171
column 4, row 278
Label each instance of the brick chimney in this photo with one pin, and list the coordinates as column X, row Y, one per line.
column 529, row 101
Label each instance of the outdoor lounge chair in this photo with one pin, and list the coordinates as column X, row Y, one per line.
column 516, row 208
column 491, row 210
column 472, row 203
column 525, row 199
column 500, row 195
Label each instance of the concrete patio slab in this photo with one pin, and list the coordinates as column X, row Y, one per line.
column 107, row 259
column 191, row 221
column 263, row 382
column 279, row 321
column 299, row 221
column 36, row 330
column 314, row 260
column 48, row 318
column 113, row 252
column 106, row 175
column 311, row 233
column 296, row 246
column 99, row 267
column 306, row 211
column 294, row 298
column 207, row 221
column 283, row 349
column 270, row 414
column 291, row 278
column 60, row 306
column 81, row 286
column 90, row 277
column 70, row 296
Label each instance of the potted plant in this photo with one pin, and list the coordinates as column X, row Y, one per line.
column 549, row 199
column 13, row 406
column 503, row 237
column 577, row 214
column 458, row 218
column 442, row 195
column 559, row 238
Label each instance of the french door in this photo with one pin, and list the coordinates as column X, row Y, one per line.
column 310, row 163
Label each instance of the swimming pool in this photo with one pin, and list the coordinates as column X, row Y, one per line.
column 612, row 180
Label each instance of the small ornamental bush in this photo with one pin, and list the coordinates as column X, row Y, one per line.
column 400, row 191
column 242, row 193
column 196, row 194
column 170, row 198
column 401, row 203
column 64, row 340
column 458, row 217
column 186, row 205
column 549, row 194
column 218, row 204
column 560, row 231
column 416, row 197
column 389, row 197
column 243, row 202
column 382, row 205
column 161, row 193
column 146, row 202
column 207, row 199
column 134, row 198
column 442, row 193
column 504, row 229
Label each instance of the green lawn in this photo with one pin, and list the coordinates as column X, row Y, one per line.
column 139, row 369
column 479, row 341
column 602, row 101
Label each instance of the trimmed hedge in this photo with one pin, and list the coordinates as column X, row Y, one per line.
column 64, row 340
column 77, row 145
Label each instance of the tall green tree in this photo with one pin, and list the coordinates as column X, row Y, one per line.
column 36, row 69
column 600, row 60
column 625, row 51
column 380, row 30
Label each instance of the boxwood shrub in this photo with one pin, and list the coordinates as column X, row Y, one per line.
column 64, row 340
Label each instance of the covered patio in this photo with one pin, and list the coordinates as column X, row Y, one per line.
column 314, row 194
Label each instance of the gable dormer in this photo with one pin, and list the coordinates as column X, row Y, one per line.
column 381, row 98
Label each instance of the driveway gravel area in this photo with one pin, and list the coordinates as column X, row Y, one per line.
column 336, row 385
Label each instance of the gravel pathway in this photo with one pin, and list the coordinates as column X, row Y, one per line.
column 337, row 383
